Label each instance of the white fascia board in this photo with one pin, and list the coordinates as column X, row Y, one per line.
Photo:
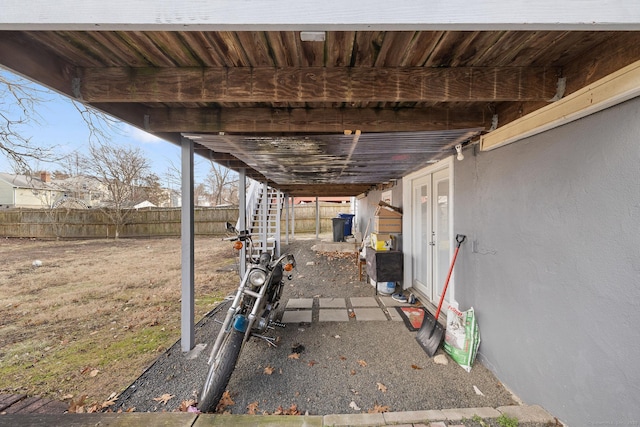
column 611, row 90
column 336, row 15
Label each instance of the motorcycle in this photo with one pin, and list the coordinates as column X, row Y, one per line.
column 250, row 315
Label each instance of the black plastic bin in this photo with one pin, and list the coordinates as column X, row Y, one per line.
column 338, row 229
column 348, row 223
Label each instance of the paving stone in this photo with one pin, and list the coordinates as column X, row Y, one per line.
column 353, row 420
column 390, row 302
column 364, row 302
column 301, row 316
column 334, row 315
column 527, row 414
column 460, row 413
column 333, row 303
column 369, row 314
column 412, row 417
column 393, row 313
column 296, row 303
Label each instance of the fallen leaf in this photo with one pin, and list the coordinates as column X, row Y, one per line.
column 294, row 356
column 269, row 370
column 293, row 410
column 108, row 403
column 312, row 362
column 362, row 363
column 377, row 409
column 225, row 401
column 343, row 358
column 353, row 406
column 416, row 367
column 94, row 372
column 185, row 404
column 353, row 372
column 252, row 408
column 382, row 387
column 164, row 398
column 76, row 405
column 67, row 396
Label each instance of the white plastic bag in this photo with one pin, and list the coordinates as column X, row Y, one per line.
column 462, row 337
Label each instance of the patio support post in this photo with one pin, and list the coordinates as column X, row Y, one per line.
column 286, row 220
column 293, row 218
column 242, row 217
column 317, row 218
column 187, row 230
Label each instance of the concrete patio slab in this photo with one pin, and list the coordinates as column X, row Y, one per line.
column 333, row 315
column 363, row 302
column 370, row 314
column 301, row 316
column 296, row 303
column 332, row 303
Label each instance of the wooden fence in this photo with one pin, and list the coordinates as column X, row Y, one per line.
column 154, row 222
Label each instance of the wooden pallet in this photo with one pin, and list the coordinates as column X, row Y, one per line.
column 23, row 404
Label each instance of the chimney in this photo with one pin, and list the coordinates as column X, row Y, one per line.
column 45, row 176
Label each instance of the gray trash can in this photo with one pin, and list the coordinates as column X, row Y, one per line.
column 338, row 229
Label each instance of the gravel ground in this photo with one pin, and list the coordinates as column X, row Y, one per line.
column 343, row 366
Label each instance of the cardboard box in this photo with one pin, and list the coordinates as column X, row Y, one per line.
column 381, row 242
column 387, row 220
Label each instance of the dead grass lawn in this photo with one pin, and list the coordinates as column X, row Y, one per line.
column 96, row 313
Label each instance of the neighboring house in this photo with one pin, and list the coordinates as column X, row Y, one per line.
column 87, row 189
column 25, row 191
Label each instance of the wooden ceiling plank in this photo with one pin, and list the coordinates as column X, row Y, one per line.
column 256, row 48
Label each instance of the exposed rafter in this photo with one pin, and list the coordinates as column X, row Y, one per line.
column 317, row 84
column 297, row 120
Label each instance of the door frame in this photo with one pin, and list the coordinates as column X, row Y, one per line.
column 407, row 222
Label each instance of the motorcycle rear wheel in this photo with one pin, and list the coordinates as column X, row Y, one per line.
column 220, row 371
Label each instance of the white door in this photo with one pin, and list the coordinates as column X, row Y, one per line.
column 431, row 235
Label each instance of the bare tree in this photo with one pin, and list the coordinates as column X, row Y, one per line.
column 20, row 100
column 121, row 170
column 220, row 181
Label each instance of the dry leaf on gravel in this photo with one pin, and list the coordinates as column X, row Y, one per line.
column 269, row 370
column 353, row 372
column 252, row 408
column 377, row 409
column 225, row 401
column 415, row 367
column 382, row 387
column 293, row 410
column 312, row 362
column 354, row 406
column 294, row 356
column 94, row 372
column 185, row 404
column 164, row 398
column 362, row 363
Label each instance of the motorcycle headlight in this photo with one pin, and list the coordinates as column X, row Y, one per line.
column 257, row 277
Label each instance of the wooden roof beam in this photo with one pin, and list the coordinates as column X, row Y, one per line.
column 317, row 84
column 330, row 120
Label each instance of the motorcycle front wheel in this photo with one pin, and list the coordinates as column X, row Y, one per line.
column 220, row 371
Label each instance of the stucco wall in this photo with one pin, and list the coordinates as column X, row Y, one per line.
column 552, row 265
